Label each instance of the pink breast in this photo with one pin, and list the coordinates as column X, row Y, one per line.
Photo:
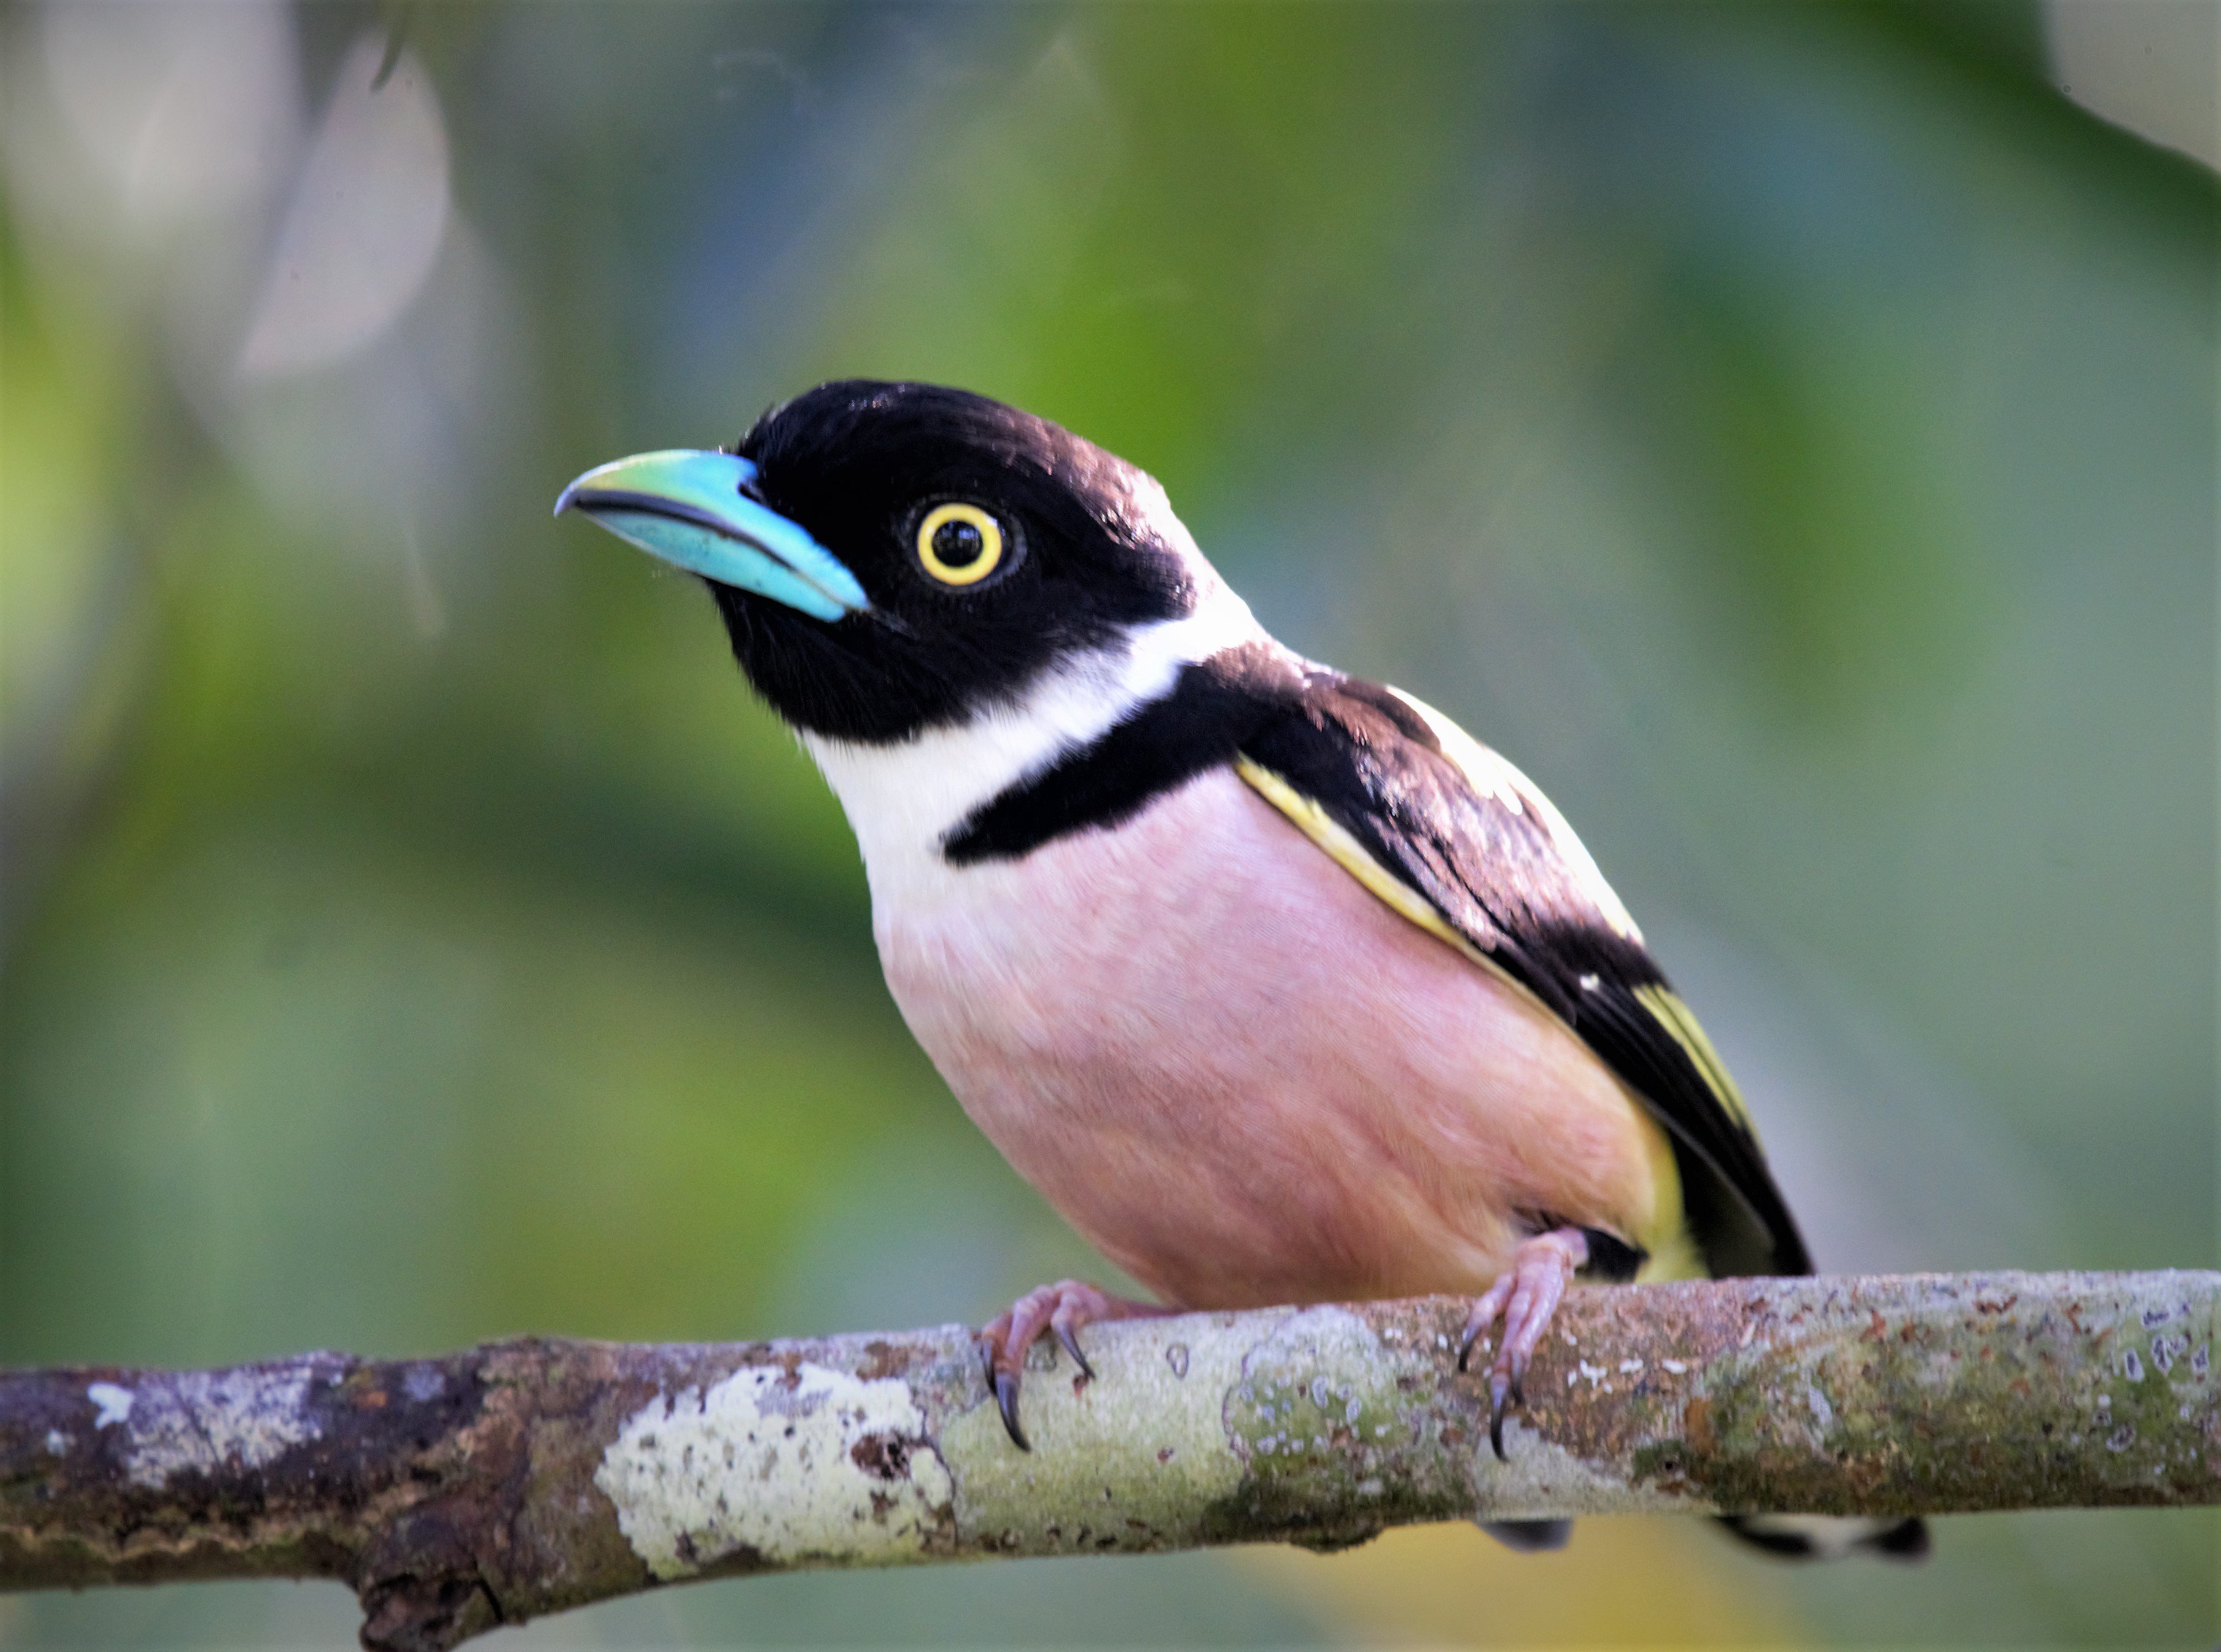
column 1240, row 1075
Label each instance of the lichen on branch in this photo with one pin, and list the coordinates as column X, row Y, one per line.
column 520, row 1478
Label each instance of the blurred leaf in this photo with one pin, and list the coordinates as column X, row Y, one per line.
column 1787, row 432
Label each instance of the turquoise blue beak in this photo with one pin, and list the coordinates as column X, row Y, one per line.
column 688, row 508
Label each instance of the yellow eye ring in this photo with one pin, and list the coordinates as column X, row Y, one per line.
column 958, row 544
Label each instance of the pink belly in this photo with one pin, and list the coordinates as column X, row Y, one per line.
column 1245, row 1079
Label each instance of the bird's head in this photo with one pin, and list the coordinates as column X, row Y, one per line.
column 892, row 559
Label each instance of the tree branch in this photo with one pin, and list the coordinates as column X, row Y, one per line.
column 524, row 1477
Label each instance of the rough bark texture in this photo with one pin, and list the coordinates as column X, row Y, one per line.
column 524, row 1477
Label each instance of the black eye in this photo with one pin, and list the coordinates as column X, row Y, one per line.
column 958, row 544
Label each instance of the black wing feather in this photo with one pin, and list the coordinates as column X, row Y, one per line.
column 1493, row 866
column 1489, row 858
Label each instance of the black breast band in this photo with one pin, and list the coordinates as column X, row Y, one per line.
column 1214, row 704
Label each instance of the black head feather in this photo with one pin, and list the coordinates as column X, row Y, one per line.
column 1092, row 549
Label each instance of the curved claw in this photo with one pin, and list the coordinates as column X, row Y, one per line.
column 1072, row 1346
column 1466, row 1345
column 1006, row 1401
column 1064, row 1308
column 1525, row 1294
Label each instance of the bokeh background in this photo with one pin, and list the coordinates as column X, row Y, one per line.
column 1789, row 432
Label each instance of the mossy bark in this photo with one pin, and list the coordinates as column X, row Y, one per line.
column 524, row 1477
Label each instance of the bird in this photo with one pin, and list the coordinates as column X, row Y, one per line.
column 1278, row 985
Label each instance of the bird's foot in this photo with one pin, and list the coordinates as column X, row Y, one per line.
column 1526, row 1295
column 1063, row 1308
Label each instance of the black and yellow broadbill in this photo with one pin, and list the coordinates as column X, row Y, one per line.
column 1279, row 985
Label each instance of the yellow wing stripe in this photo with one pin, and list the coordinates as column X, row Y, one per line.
column 1666, row 1006
column 1314, row 822
column 1672, row 1250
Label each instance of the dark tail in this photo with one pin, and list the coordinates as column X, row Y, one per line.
column 1824, row 1537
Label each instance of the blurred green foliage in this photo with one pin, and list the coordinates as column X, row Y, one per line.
column 1788, row 432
